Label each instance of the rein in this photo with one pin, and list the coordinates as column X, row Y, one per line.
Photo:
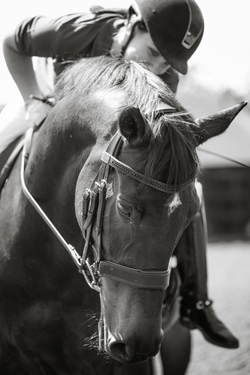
column 224, row 157
column 93, row 206
column 25, row 155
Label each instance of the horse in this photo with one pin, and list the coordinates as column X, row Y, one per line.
column 104, row 189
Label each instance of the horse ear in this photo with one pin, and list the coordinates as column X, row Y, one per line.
column 132, row 126
column 216, row 124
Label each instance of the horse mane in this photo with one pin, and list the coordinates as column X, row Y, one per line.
column 172, row 148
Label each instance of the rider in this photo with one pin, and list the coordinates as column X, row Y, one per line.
column 163, row 34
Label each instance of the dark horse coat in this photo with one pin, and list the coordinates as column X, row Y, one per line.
column 48, row 313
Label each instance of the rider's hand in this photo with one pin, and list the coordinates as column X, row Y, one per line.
column 36, row 111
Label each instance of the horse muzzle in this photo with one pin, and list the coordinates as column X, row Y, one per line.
column 131, row 311
column 130, row 351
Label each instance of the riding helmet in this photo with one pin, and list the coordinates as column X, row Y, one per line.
column 175, row 26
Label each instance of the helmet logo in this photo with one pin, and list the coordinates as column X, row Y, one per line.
column 188, row 40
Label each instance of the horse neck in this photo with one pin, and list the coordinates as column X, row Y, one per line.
column 56, row 158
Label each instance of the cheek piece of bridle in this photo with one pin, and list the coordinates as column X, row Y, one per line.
column 93, row 208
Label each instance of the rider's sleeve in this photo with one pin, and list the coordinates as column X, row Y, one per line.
column 171, row 77
column 69, row 36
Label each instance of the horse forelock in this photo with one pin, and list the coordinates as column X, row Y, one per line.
column 170, row 154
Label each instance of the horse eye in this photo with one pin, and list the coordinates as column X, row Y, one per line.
column 125, row 210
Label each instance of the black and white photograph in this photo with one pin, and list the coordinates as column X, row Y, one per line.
column 125, row 187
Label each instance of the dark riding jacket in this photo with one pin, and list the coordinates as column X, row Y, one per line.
column 73, row 36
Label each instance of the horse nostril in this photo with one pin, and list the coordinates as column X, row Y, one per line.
column 133, row 350
column 125, row 353
column 120, row 352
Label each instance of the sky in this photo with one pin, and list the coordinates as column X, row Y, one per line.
column 221, row 61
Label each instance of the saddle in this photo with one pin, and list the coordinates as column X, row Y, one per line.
column 9, row 155
column 8, row 158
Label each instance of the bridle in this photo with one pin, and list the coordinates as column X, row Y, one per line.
column 93, row 207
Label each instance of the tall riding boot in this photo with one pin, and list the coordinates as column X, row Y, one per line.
column 196, row 308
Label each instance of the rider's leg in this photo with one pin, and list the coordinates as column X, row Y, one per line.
column 14, row 120
column 12, row 123
column 196, row 307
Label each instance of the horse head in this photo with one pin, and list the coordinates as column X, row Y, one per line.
column 135, row 195
column 142, row 226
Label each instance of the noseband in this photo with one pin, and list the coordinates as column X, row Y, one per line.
column 93, row 208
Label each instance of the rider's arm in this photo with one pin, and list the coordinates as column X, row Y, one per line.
column 66, row 37
column 34, row 36
column 20, row 67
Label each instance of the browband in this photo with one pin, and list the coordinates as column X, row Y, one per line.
column 124, row 168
